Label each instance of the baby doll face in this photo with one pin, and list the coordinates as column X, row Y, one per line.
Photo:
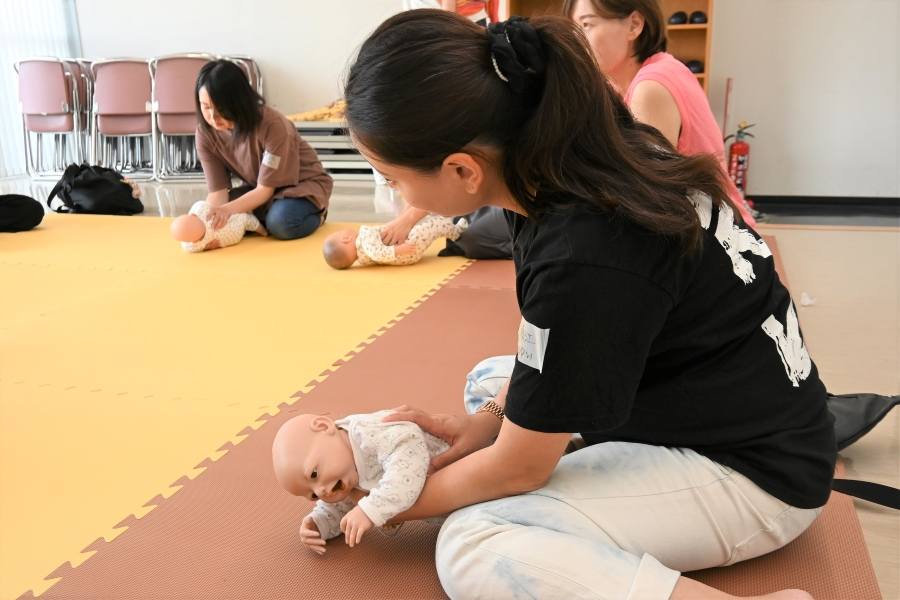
column 313, row 459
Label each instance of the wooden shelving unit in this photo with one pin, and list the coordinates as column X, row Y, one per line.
column 691, row 42
column 686, row 42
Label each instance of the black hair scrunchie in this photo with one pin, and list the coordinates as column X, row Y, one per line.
column 516, row 49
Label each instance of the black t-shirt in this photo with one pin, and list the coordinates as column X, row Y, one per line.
column 642, row 344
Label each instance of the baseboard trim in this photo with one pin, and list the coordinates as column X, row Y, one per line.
column 848, row 201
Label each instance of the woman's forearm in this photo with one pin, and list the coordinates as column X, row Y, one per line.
column 519, row 461
column 413, row 215
column 251, row 200
column 218, row 198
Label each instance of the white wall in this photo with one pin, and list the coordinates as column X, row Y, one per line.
column 302, row 46
column 821, row 80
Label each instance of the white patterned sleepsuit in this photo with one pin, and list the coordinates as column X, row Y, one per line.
column 229, row 235
column 392, row 461
column 371, row 250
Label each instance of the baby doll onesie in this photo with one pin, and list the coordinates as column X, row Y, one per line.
column 391, row 459
column 229, row 235
column 371, row 250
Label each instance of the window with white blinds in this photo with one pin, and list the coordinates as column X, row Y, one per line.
column 28, row 28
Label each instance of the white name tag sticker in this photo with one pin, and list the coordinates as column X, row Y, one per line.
column 532, row 345
column 270, row 160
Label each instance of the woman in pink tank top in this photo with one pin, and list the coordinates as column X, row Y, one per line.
column 629, row 40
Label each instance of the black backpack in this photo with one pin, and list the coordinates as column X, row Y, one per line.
column 95, row 190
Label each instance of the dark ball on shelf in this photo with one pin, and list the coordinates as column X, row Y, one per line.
column 679, row 18
column 698, row 17
column 695, row 66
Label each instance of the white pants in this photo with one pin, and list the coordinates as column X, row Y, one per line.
column 616, row 520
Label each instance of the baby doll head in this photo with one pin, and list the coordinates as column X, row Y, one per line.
column 313, row 459
column 340, row 249
column 188, row 228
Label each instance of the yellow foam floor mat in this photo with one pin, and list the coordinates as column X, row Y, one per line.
column 125, row 363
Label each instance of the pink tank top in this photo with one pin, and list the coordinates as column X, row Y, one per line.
column 699, row 130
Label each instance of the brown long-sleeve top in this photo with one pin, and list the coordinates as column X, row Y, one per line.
column 274, row 156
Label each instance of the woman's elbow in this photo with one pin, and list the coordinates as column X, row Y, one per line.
column 527, row 481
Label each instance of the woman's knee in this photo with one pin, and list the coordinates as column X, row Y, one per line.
column 291, row 219
column 486, row 379
column 456, row 555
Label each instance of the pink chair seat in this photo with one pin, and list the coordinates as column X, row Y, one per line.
column 124, row 124
column 180, row 124
column 50, row 123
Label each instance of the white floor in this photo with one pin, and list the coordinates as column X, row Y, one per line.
column 351, row 201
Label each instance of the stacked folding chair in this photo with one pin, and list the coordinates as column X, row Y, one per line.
column 51, row 104
column 122, row 130
column 134, row 115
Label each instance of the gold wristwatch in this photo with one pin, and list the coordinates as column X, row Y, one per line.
column 493, row 408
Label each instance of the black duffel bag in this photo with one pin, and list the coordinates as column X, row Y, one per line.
column 95, row 190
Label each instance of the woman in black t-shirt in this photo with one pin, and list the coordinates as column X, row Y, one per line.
column 652, row 319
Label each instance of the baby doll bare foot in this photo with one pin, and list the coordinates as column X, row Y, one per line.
column 407, row 248
column 262, row 231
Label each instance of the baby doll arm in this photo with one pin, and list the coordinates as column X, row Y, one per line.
column 405, row 464
column 328, row 517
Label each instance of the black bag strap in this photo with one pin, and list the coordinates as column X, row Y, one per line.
column 63, row 188
column 867, row 490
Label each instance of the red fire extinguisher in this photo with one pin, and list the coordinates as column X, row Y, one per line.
column 739, row 157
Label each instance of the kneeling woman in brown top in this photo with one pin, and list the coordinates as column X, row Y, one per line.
column 284, row 183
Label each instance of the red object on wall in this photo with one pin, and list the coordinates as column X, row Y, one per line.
column 739, row 158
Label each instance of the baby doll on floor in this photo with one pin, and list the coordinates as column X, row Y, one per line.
column 345, row 247
column 333, row 462
column 196, row 235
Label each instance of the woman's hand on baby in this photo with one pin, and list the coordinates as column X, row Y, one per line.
column 396, row 231
column 354, row 524
column 310, row 536
column 465, row 434
column 218, row 216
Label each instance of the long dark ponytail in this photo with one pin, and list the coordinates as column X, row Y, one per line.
column 424, row 86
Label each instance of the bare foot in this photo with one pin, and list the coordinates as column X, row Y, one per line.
column 788, row 595
column 262, row 231
column 689, row 589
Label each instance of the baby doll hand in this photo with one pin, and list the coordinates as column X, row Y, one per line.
column 310, row 536
column 212, row 245
column 262, row 231
column 354, row 524
column 405, row 249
